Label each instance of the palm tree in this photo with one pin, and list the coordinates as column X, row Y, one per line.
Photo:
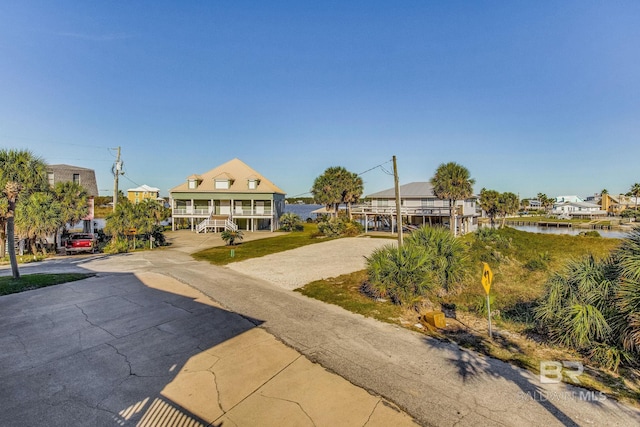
column 452, row 182
column 628, row 295
column 489, row 202
column 74, row 202
column 576, row 308
column 635, row 192
column 335, row 186
column 37, row 216
column 353, row 189
column 21, row 173
column 508, row 205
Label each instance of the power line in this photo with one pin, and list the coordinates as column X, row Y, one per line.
column 378, row 166
column 381, row 166
column 58, row 143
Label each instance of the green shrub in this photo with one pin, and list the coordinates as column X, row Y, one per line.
column 540, row 262
column 116, row 246
column 338, row 227
column 401, row 275
column 290, row 222
column 592, row 233
column 447, row 254
column 492, row 236
column 431, row 258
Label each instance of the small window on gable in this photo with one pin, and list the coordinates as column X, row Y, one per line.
column 222, row 184
column 50, row 178
column 76, row 178
column 253, row 184
column 193, row 184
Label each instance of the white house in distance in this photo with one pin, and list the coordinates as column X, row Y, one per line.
column 230, row 196
column 418, row 206
column 578, row 210
column 568, row 199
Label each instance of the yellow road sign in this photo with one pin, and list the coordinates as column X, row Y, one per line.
column 487, row 277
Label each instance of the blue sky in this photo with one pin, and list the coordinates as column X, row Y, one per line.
column 530, row 96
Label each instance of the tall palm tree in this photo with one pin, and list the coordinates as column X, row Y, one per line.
column 489, row 202
column 508, row 205
column 353, row 189
column 452, row 182
column 21, row 173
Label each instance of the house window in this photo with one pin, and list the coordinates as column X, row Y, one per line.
column 192, row 184
column 76, row 178
column 427, row 203
column 253, row 184
column 222, row 184
column 50, row 179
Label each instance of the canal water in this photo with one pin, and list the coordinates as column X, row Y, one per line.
column 614, row 234
column 303, row 211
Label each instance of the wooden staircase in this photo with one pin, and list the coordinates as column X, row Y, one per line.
column 215, row 223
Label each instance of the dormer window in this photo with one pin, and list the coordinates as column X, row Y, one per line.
column 193, row 184
column 222, row 184
column 253, row 184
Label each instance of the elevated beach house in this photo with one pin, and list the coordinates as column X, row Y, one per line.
column 418, row 206
column 231, row 196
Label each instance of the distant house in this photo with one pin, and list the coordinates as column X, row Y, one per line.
column 231, row 196
column 83, row 176
column 570, row 199
column 418, row 206
column 136, row 195
column 578, row 210
column 534, row 204
column 616, row 204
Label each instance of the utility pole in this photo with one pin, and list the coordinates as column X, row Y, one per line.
column 116, row 169
column 398, row 213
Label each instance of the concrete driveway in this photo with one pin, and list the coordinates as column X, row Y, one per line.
column 144, row 349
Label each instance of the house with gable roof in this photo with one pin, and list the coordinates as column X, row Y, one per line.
column 231, row 196
column 418, row 206
column 138, row 194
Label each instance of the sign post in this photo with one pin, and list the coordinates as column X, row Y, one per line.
column 487, row 279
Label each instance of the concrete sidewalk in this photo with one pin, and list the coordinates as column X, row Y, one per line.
column 145, row 349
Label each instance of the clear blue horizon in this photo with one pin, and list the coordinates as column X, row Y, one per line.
column 529, row 96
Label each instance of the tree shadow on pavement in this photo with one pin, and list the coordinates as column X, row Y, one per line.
column 472, row 367
column 110, row 350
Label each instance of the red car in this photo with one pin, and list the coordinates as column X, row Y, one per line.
column 80, row 242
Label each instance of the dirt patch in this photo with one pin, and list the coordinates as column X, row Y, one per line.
column 295, row 268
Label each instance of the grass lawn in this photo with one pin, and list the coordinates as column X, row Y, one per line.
column 221, row 255
column 8, row 285
column 517, row 284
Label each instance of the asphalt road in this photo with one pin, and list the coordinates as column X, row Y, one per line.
column 436, row 382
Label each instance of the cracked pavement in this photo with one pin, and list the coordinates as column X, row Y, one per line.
column 144, row 349
column 435, row 382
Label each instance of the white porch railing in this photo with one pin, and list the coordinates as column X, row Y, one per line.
column 216, row 224
column 244, row 212
column 391, row 210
